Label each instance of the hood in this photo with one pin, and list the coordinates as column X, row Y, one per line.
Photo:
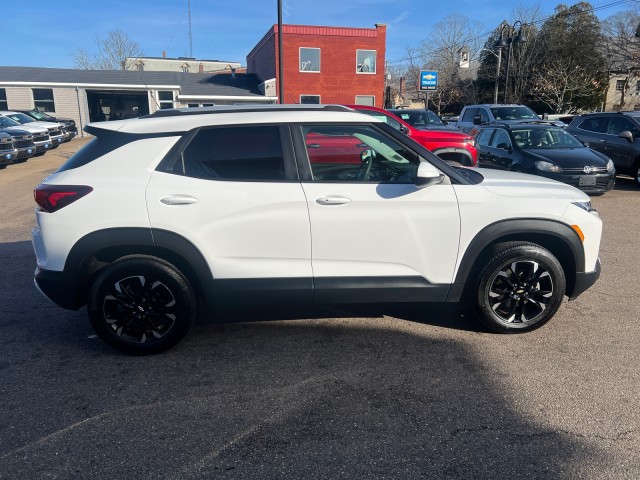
column 15, row 131
column 454, row 135
column 31, row 128
column 440, row 128
column 47, row 125
column 568, row 157
column 519, row 185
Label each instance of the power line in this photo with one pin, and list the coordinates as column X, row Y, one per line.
column 592, row 9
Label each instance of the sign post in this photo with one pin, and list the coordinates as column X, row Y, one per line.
column 428, row 82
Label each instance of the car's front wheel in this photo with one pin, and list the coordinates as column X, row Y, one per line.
column 520, row 287
column 141, row 305
column 636, row 174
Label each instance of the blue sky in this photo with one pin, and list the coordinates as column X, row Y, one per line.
column 46, row 35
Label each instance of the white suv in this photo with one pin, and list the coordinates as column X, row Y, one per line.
column 183, row 209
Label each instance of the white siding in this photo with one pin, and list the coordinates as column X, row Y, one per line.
column 19, row 98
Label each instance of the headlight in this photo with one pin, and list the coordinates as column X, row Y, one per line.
column 471, row 141
column 586, row 206
column 610, row 166
column 547, row 166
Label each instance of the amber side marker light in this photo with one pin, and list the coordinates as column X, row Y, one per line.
column 576, row 228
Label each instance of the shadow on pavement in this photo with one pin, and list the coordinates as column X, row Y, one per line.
column 320, row 398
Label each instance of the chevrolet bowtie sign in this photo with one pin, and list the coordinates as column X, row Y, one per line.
column 428, row 80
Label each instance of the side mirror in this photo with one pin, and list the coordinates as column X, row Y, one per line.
column 477, row 120
column 586, row 144
column 428, row 175
column 626, row 134
column 404, row 129
column 445, row 122
column 505, row 146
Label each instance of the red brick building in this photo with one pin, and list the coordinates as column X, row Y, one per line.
column 324, row 64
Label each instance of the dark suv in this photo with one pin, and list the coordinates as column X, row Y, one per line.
column 616, row 134
column 540, row 148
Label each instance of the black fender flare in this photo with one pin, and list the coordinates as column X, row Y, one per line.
column 97, row 249
column 556, row 236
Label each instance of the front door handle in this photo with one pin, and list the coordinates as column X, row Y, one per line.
column 333, row 200
column 178, row 200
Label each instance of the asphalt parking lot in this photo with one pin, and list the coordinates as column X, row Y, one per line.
column 413, row 392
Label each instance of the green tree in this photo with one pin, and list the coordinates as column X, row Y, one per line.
column 570, row 74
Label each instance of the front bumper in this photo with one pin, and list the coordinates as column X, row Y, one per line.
column 584, row 280
column 603, row 181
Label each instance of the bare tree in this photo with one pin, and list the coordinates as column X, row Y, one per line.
column 622, row 48
column 441, row 52
column 112, row 53
column 561, row 85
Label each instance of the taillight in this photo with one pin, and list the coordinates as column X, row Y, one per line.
column 51, row 198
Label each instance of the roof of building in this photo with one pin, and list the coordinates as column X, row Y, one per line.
column 205, row 84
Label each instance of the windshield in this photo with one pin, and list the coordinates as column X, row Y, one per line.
column 392, row 122
column 39, row 115
column 513, row 113
column 7, row 122
column 21, row 118
column 419, row 118
column 544, row 138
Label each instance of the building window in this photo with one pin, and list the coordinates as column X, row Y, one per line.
column 619, row 85
column 3, row 99
column 139, row 66
column 193, row 105
column 185, row 68
column 365, row 61
column 166, row 99
column 315, row 99
column 366, row 100
column 43, row 99
column 309, row 59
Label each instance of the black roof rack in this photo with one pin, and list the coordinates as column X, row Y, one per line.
column 176, row 112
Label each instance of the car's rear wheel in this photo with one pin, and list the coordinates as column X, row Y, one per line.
column 141, row 305
column 520, row 288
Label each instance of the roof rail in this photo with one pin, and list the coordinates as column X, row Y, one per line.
column 176, row 112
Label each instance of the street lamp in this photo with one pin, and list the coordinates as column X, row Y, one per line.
column 498, row 62
column 514, row 34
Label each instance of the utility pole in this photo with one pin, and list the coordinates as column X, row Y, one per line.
column 280, row 66
column 190, row 36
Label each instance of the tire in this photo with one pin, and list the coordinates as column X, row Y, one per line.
column 636, row 173
column 520, row 288
column 141, row 305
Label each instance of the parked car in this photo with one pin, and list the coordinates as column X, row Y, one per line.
column 453, row 147
column 473, row 115
column 7, row 150
column 70, row 128
column 40, row 136
column 224, row 204
column 546, row 150
column 22, row 143
column 423, row 119
column 617, row 135
column 55, row 130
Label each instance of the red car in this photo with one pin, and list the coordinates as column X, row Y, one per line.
column 453, row 147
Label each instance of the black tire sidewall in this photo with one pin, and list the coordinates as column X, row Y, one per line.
column 500, row 256
column 148, row 266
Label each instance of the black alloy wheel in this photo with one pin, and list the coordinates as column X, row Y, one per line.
column 141, row 305
column 520, row 288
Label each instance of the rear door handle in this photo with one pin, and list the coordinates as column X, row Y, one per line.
column 333, row 200
column 179, row 200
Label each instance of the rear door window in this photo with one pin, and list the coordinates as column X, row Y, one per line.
column 249, row 153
